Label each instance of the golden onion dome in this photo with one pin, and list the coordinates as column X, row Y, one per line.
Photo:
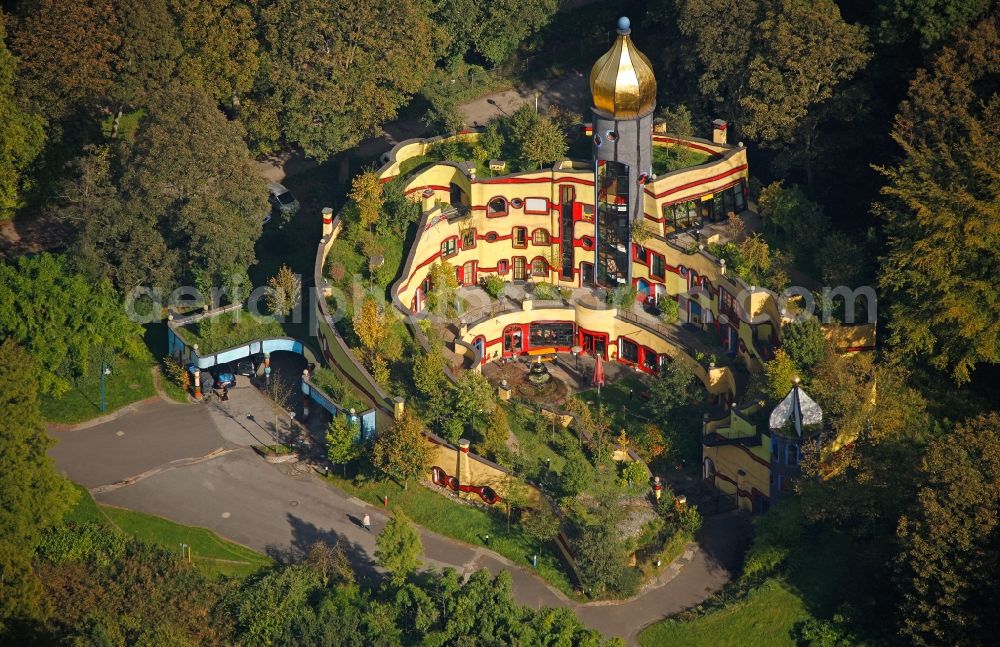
column 622, row 81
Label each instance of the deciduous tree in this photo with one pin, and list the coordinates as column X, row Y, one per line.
column 544, row 144
column 366, row 192
column 66, row 321
column 402, row 451
column 780, row 373
column 35, row 496
column 206, row 196
column 286, row 291
column 68, row 53
column 399, row 547
column 220, row 44
column 349, row 67
column 803, row 341
column 940, row 210
column 343, row 444
column 949, row 567
column 22, row 133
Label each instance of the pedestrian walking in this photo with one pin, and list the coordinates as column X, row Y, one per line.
column 225, row 394
column 367, row 523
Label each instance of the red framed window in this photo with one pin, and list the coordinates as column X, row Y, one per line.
column 539, row 266
column 520, row 237
column 503, row 266
column 537, row 206
column 449, row 247
column 540, row 237
column 469, row 238
column 587, row 243
column 639, row 254
column 657, row 265
column 520, row 268
column 496, row 207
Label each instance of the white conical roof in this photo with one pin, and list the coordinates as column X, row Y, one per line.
column 797, row 407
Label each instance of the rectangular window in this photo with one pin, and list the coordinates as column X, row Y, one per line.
column 551, row 334
column 649, row 359
column 520, row 237
column 539, row 267
column 536, row 206
column 738, row 200
column 657, row 265
column 727, row 305
column 639, row 254
column 792, row 458
column 520, row 265
column 628, row 350
column 468, row 239
column 503, row 266
column 449, row 247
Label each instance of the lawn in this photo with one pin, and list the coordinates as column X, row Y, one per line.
column 765, row 619
column 130, row 381
column 672, row 158
column 229, row 329
column 210, row 554
column 466, row 523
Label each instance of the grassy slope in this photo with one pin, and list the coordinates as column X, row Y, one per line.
column 130, row 381
column 764, row 619
column 462, row 522
column 211, row 554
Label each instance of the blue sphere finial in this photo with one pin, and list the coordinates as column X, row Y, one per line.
column 624, row 24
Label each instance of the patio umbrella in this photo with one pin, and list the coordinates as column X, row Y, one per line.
column 599, row 374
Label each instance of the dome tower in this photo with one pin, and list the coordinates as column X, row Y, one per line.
column 624, row 95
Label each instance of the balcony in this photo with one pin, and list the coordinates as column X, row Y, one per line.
column 726, row 436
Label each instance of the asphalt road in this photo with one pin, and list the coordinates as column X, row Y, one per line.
column 174, row 461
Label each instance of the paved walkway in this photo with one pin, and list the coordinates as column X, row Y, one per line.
column 177, row 462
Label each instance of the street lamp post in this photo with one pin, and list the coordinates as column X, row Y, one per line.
column 291, row 426
column 105, row 370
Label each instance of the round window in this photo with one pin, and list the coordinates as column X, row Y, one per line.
column 597, row 141
column 588, row 242
column 612, row 136
column 491, row 237
column 517, row 203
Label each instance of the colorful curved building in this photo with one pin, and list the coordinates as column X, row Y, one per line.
column 572, row 225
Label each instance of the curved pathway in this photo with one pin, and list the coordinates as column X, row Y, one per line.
column 192, row 464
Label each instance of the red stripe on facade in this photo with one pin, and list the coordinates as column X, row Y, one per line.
column 686, row 144
column 689, row 185
column 435, row 187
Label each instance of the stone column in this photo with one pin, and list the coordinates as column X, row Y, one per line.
column 327, row 221
column 197, row 383
column 464, row 468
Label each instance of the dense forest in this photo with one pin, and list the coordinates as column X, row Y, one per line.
column 129, row 130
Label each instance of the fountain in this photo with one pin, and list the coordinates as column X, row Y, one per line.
column 539, row 385
column 539, row 375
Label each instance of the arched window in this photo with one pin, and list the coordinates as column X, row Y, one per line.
column 496, row 208
column 539, row 267
column 540, row 237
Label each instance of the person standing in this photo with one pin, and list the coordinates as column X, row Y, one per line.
column 367, row 523
column 225, row 393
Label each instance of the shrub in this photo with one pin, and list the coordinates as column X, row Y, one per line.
column 623, row 297
column 634, row 477
column 545, row 291
column 176, row 372
column 670, row 310
column 494, row 285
